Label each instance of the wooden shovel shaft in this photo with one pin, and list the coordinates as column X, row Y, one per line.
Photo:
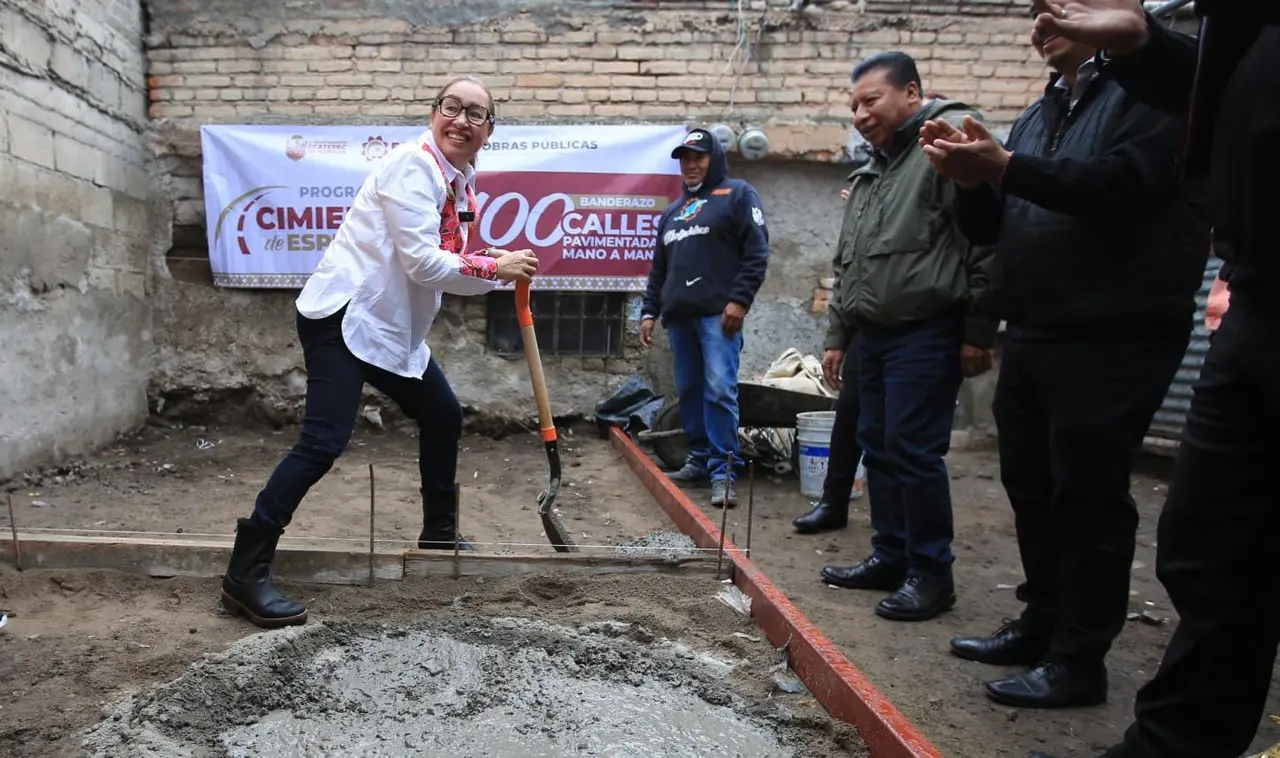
column 524, row 317
column 539, row 383
column 555, row 530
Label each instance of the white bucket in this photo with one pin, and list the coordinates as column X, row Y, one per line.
column 813, row 437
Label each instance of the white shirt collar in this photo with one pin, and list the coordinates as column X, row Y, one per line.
column 1087, row 72
column 451, row 172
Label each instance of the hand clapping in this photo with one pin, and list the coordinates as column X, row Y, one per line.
column 969, row 157
column 1117, row 26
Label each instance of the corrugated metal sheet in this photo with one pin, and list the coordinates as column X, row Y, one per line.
column 1172, row 415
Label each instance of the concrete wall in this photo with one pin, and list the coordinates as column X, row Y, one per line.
column 237, row 61
column 74, row 324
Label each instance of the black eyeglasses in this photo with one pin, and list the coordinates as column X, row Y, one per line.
column 477, row 115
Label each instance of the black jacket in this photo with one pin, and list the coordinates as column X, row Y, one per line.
column 1091, row 226
column 1246, row 140
column 713, row 248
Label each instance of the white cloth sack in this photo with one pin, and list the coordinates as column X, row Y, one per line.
column 798, row 373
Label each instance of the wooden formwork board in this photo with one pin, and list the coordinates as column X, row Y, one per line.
column 300, row 562
column 166, row 557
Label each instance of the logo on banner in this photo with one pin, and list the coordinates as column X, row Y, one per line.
column 298, row 147
column 376, row 148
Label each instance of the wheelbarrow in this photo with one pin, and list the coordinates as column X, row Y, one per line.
column 760, row 406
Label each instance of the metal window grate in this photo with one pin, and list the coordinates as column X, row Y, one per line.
column 586, row 324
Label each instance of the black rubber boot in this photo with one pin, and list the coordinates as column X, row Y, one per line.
column 247, row 589
column 440, row 523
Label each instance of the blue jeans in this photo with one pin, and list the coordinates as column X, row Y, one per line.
column 335, row 381
column 707, row 380
column 908, row 379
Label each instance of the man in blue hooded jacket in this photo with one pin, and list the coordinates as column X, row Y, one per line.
column 710, row 260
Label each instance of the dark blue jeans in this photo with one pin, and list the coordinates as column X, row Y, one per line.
column 706, row 368
column 335, row 381
column 908, row 379
column 842, row 465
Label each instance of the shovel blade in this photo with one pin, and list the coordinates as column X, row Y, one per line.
column 556, row 531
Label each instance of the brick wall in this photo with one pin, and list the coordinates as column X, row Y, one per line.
column 76, row 238
column 670, row 62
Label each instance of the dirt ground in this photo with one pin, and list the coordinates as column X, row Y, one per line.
column 198, row 480
column 76, row 640
column 100, row 632
column 941, row 694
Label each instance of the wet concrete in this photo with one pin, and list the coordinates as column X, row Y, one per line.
column 665, row 545
column 491, row 687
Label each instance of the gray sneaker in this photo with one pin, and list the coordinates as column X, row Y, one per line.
column 723, row 495
column 690, row 474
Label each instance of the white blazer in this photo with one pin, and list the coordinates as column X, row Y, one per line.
column 386, row 263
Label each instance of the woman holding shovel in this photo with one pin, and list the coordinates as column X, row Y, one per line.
column 364, row 315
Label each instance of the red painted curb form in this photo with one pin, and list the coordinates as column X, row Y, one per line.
column 842, row 689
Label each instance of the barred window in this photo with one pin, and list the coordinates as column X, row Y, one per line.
column 586, row 324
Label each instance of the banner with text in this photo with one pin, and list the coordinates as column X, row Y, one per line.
column 585, row 198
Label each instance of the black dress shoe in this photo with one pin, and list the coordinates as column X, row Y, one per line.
column 822, row 518
column 1051, row 685
column 871, row 574
column 1013, row 644
column 919, row 598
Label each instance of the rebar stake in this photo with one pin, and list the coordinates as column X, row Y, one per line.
column 371, row 501
column 751, row 492
column 457, row 527
column 13, row 525
column 724, row 521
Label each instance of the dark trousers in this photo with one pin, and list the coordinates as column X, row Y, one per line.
column 335, row 381
column 908, row 378
column 1071, row 413
column 842, row 464
column 1216, row 555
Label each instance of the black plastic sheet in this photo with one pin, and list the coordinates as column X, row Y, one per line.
column 633, row 406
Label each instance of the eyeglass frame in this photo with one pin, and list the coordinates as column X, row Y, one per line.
column 488, row 119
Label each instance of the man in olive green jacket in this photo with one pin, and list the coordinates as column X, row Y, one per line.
column 906, row 282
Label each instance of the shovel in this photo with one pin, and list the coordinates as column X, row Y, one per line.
column 556, row 532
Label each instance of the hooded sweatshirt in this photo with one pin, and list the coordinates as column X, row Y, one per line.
column 713, row 248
